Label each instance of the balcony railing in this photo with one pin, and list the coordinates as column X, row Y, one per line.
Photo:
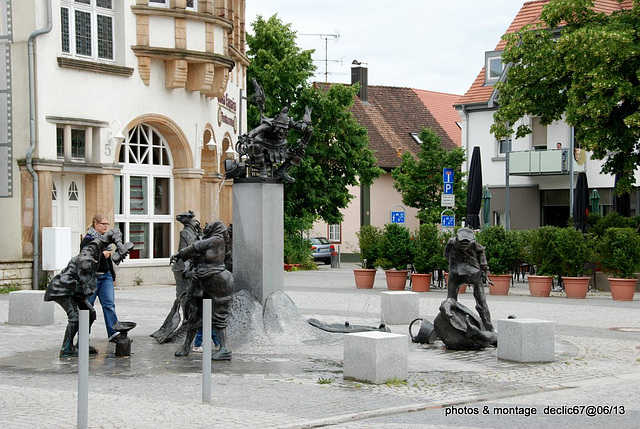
column 542, row 162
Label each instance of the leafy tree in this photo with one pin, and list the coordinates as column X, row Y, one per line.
column 420, row 180
column 581, row 66
column 338, row 154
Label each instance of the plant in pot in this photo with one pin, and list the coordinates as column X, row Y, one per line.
column 426, row 251
column 619, row 256
column 574, row 250
column 502, row 249
column 395, row 255
column 541, row 251
column 368, row 244
column 297, row 252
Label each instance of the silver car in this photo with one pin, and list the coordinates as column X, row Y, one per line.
column 321, row 249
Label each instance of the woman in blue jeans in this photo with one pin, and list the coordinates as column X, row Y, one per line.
column 106, row 275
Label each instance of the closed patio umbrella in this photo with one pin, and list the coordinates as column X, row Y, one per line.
column 474, row 190
column 486, row 206
column 581, row 203
column 595, row 201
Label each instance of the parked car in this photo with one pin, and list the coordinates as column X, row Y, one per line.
column 321, row 249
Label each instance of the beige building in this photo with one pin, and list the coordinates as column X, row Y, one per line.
column 393, row 118
column 122, row 107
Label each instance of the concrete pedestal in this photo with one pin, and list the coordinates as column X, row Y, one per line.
column 399, row 307
column 258, row 234
column 28, row 307
column 526, row 340
column 375, row 357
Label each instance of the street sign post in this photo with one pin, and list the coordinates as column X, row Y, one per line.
column 447, row 220
column 447, row 200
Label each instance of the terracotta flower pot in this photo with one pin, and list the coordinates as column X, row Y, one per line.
column 576, row 287
column 462, row 289
column 365, row 278
column 421, row 282
column 501, row 284
column 622, row 289
column 396, row 279
column 540, row 285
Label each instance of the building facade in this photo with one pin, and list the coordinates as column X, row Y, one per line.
column 393, row 117
column 543, row 166
column 127, row 108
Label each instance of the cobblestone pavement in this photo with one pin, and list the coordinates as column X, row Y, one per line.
column 299, row 384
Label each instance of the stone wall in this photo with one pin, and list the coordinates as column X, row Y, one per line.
column 16, row 272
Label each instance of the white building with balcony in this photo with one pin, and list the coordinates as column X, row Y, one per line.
column 538, row 175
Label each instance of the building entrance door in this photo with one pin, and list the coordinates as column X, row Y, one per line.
column 68, row 206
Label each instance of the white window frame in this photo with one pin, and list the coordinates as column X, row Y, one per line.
column 150, row 172
column 488, row 58
column 167, row 4
column 332, row 233
column 93, row 10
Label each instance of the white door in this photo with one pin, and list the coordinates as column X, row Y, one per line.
column 68, row 207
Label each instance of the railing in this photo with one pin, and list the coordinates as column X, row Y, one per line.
column 542, row 162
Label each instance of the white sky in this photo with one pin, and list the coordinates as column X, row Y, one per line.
column 437, row 45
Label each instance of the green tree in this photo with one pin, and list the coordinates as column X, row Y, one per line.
column 338, row 155
column 420, row 180
column 581, row 66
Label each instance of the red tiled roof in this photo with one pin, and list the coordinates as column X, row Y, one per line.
column 441, row 106
column 391, row 114
column 528, row 14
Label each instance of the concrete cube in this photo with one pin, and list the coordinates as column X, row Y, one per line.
column 27, row 307
column 526, row 340
column 399, row 307
column 375, row 357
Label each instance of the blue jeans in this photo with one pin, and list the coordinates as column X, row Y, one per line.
column 105, row 292
column 198, row 340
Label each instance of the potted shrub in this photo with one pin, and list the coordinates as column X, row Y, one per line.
column 426, row 251
column 297, row 251
column 395, row 255
column 619, row 255
column 541, row 251
column 502, row 249
column 574, row 250
column 368, row 244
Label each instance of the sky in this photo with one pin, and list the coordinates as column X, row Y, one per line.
column 436, row 45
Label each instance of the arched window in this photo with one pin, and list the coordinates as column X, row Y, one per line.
column 143, row 193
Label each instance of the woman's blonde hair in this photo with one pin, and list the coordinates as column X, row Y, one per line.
column 97, row 218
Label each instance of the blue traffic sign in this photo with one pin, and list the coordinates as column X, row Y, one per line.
column 447, row 175
column 448, row 221
column 397, row 217
column 448, row 188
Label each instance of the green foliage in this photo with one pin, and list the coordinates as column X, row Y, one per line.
column 338, row 155
column 45, row 278
column 574, row 249
column 420, row 181
column 542, row 250
column 619, row 252
column 599, row 225
column 369, row 237
column 503, row 248
column 443, row 262
column 323, row 380
column 426, row 249
column 586, row 70
column 395, row 251
column 297, row 249
column 11, row 287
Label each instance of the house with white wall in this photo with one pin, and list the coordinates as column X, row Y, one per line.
column 393, row 118
column 122, row 107
column 542, row 166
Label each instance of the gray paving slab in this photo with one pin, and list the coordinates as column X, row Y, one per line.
column 299, row 384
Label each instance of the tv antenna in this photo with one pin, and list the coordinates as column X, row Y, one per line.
column 326, row 37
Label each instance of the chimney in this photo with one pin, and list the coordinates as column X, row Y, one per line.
column 359, row 75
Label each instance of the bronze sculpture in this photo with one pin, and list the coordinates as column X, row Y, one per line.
column 209, row 280
column 457, row 326
column 191, row 232
column 77, row 281
column 265, row 147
